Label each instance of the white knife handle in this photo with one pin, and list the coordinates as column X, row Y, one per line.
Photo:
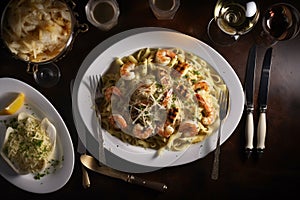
column 261, row 132
column 249, row 132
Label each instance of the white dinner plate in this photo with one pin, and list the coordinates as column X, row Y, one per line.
column 35, row 103
column 98, row 61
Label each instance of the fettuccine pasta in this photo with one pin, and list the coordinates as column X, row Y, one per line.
column 161, row 98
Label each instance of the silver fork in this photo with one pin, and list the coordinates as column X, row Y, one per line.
column 96, row 94
column 81, row 149
column 223, row 102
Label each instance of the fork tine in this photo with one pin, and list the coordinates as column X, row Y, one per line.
column 226, row 103
column 95, row 87
column 96, row 93
column 92, row 86
column 223, row 102
column 221, row 98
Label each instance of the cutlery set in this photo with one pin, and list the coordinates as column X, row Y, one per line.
column 262, row 100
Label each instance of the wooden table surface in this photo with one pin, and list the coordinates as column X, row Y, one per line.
column 275, row 174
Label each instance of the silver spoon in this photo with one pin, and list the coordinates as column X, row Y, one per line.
column 92, row 164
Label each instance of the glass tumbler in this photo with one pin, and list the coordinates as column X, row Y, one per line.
column 102, row 14
column 164, row 9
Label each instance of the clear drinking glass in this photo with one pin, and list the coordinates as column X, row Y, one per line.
column 46, row 75
column 103, row 14
column 280, row 22
column 232, row 19
column 164, row 9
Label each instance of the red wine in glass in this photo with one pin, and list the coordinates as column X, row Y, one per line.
column 280, row 22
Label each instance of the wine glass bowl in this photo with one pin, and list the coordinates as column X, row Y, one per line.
column 46, row 75
column 280, row 22
column 232, row 19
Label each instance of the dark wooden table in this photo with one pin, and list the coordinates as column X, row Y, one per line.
column 276, row 174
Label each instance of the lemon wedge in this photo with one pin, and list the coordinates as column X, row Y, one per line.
column 14, row 106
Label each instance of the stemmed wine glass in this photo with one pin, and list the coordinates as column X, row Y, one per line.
column 232, row 18
column 280, row 22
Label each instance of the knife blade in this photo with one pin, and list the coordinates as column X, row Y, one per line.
column 263, row 100
column 249, row 90
column 92, row 164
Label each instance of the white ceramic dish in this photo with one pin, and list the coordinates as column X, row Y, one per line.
column 98, row 62
column 36, row 103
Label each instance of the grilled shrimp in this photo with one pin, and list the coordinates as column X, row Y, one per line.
column 118, row 121
column 189, row 128
column 165, row 131
column 201, row 85
column 209, row 118
column 166, row 100
column 141, row 132
column 111, row 90
column 173, row 115
column 209, row 111
column 126, row 71
column 164, row 56
column 181, row 68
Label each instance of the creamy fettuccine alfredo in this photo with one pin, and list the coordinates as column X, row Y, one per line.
column 161, row 99
column 29, row 144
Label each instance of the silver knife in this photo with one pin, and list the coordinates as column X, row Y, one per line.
column 249, row 90
column 92, row 164
column 262, row 99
